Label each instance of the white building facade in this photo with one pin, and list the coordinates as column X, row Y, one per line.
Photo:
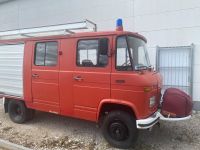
column 173, row 24
column 172, row 28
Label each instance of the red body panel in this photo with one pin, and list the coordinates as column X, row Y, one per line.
column 56, row 91
column 66, row 76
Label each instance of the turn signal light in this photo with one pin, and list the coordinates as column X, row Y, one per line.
column 147, row 89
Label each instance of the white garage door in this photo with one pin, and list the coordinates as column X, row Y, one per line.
column 175, row 65
column 11, row 69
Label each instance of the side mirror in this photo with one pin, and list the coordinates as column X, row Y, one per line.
column 103, row 46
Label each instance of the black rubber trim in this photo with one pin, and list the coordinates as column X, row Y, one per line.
column 149, row 124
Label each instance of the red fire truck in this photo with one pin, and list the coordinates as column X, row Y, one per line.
column 105, row 77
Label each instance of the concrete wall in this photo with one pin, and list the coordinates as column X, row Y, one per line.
column 27, row 13
column 171, row 23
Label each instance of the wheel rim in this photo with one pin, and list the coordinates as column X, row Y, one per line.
column 17, row 110
column 118, row 131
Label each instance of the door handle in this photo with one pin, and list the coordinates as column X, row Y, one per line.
column 78, row 78
column 35, row 75
column 120, row 81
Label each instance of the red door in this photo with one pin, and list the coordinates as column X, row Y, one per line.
column 91, row 77
column 45, row 71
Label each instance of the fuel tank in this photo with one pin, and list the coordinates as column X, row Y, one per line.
column 176, row 104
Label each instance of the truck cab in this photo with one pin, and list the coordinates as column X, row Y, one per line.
column 81, row 74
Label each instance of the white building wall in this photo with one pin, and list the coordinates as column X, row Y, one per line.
column 28, row 13
column 168, row 23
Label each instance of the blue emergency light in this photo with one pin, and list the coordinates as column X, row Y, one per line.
column 119, row 24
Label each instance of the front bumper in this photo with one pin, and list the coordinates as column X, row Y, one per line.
column 148, row 122
column 153, row 119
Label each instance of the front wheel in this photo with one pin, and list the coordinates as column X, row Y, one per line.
column 18, row 112
column 119, row 129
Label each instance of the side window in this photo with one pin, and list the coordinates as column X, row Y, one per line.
column 40, row 54
column 92, row 53
column 122, row 58
column 51, row 54
column 46, row 54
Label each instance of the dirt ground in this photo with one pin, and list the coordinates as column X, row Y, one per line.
column 48, row 131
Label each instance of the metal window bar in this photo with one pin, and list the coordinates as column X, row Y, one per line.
column 177, row 71
column 61, row 29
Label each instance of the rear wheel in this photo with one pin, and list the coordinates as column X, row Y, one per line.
column 18, row 112
column 119, row 129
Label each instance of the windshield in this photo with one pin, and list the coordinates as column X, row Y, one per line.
column 131, row 54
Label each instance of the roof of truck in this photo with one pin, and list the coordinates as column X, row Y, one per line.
column 75, row 35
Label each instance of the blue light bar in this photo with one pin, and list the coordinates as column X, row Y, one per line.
column 119, row 22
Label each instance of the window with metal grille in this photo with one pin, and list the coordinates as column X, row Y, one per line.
column 175, row 65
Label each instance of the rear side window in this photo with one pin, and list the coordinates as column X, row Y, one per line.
column 92, row 53
column 46, row 54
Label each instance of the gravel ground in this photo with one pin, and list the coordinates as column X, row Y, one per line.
column 2, row 148
column 48, row 131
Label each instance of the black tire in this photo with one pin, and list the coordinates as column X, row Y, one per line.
column 119, row 129
column 31, row 114
column 17, row 111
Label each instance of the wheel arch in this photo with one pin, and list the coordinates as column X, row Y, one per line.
column 113, row 104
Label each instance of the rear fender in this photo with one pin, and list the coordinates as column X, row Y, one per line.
column 6, row 101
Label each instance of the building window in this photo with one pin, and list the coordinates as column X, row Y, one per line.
column 46, row 54
column 92, row 53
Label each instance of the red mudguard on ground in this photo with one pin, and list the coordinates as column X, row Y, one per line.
column 176, row 103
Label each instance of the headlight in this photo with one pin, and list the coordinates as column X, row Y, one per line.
column 152, row 101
